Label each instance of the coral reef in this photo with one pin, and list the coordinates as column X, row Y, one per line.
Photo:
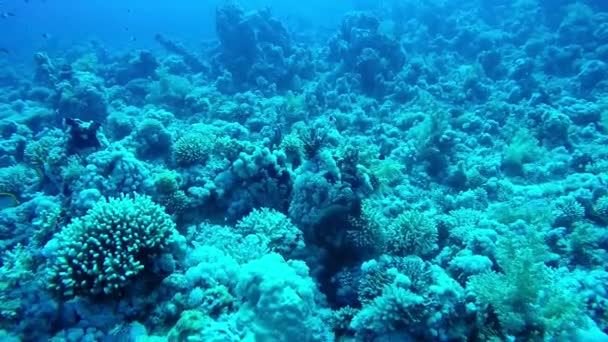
column 406, row 171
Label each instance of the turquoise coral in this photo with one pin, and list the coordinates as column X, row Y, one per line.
column 274, row 229
column 101, row 252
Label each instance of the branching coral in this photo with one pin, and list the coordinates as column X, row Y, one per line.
column 193, row 148
column 405, row 295
column 367, row 233
column 411, row 232
column 101, row 252
column 47, row 149
column 293, row 147
column 567, row 211
column 394, row 309
column 17, row 179
column 113, row 171
column 274, row 229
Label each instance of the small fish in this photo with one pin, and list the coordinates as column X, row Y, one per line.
column 45, row 35
column 8, row 15
column 8, row 200
column 4, row 51
column 133, row 39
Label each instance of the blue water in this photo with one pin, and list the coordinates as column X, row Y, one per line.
column 351, row 170
column 115, row 23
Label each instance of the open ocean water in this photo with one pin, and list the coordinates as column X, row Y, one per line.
column 317, row 171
